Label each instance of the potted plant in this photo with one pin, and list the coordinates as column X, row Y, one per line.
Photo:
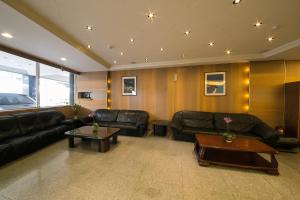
column 95, row 125
column 76, row 110
column 228, row 136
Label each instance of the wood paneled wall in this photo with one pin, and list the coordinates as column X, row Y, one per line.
column 160, row 95
column 267, row 81
column 64, row 109
column 96, row 83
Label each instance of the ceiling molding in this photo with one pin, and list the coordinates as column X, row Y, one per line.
column 189, row 62
column 282, row 48
column 211, row 60
column 51, row 27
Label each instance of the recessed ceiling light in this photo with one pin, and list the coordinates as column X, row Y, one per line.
column 161, row 49
column 211, row 44
column 63, row 59
column 90, row 28
column 258, row 24
column 237, row 1
column 89, row 46
column 146, row 59
column 7, row 35
column 115, row 62
column 270, row 39
column 122, row 53
column 187, row 32
column 151, row 15
column 228, row 51
column 131, row 40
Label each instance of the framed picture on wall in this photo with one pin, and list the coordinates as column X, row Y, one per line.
column 129, row 85
column 215, row 84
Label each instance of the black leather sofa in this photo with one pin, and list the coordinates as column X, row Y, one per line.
column 185, row 124
column 131, row 122
column 24, row 133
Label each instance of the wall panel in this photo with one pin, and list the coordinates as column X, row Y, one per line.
column 160, row 95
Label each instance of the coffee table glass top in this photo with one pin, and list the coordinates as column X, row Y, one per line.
column 238, row 144
column 87, row 132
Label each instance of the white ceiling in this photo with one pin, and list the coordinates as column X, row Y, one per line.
column 31, row 38
column 229, row 26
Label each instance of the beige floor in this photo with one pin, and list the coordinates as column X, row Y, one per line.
column 140, row 168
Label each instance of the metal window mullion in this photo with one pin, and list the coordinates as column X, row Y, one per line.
column 38, row 84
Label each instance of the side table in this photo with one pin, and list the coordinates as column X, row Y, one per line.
column 160, row 127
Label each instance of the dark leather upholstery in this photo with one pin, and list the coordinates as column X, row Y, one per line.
column 8, row 128
column 185, row 124
column 24, row 133
column 131, row 122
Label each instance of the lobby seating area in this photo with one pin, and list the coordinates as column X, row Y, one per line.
column 149, row 100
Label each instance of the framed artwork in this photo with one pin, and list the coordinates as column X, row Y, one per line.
column 215, row 84
column 129, row 85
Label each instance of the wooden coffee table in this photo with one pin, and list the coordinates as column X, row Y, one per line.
column 242, row 153
column 102, row 136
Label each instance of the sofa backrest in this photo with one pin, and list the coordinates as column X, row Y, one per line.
column 196, row 119
column 50, row 118
column 129, row 116
column 105, row 115
column 8, row 127
column 28, row 122
column 242, row 123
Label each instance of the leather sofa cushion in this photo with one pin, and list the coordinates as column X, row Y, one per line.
column 25, row 144
column 8, row 127
column 104, row 115
column 197, row 119
column 6, row 153
column 50, row 118
column 127, row 116
column 242, row 123
column 124, row 125
column 191, row 130
column 28, row 122
column 47, row 136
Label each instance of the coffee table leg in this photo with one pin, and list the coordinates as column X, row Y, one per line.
column 200, row 153
column 274, row 165
column 103, row 145
column 71, row 142
column 115, row 139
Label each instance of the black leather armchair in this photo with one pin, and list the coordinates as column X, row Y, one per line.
column 185, row 124
column 131, row 122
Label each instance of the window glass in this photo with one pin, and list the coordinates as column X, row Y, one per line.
column 17, row 82
column 54, row 86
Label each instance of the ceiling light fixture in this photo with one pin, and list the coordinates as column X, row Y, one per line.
column 161, row 49
column 63, row 59
column 211, row 44
column 228, row 52
column 131, row 40
column 90, row 28
column 146, row 59
column 151, row 15
column 115, row 62
column 7, row 35
column 187, row 32
column 258, row 24
column 122, row 53
column 237, row 1
column 89, row 46
column 270, row 39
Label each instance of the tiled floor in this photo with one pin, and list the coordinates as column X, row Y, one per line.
column 140, row 169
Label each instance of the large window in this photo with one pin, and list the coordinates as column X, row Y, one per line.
column 19, row 88
column 54, row 86
column 17, row 82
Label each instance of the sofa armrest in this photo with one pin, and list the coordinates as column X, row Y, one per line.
column 68, row 122
column 268, row 134
column 142, row 120
column 176, row 122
